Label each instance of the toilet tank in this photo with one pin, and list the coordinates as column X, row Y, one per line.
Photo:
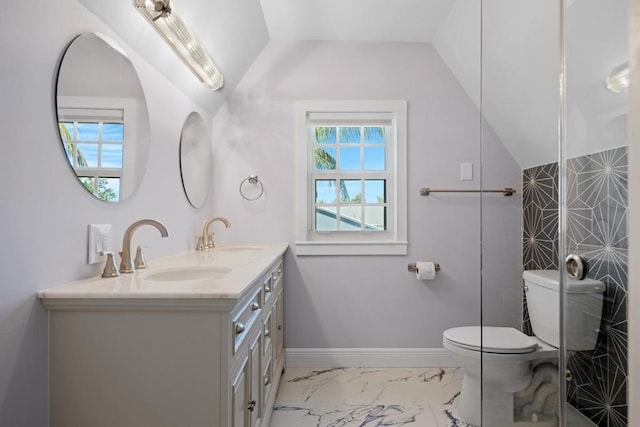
column 582, row 308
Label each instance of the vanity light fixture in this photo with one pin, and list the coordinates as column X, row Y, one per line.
column 618, row 80
column 176, row 33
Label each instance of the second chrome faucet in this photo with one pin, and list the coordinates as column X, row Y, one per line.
column 205, row 240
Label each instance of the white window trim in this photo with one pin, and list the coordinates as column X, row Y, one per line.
column 310, row 242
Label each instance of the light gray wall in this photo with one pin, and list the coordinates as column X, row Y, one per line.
column 44, row 211
column 334, row 302
column 520, row 64
column 520, row 49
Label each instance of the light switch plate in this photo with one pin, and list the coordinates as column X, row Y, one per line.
column 466, row 171
column 99, row 243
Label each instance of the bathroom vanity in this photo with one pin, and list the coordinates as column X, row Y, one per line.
column 194, row 340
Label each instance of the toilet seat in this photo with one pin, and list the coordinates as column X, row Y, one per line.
column 491, row 339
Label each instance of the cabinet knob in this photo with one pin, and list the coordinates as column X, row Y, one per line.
column 267, row 333
column 266, row 381
column 252, row 405
column 255, row 306
column 275, row 276
column 239, row 328
column 279, row 271
column 279, row 327
column 267, row 289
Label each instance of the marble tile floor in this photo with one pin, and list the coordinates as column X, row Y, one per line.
column 368, row 397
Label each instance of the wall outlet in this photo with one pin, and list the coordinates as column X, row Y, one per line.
column 99, row 243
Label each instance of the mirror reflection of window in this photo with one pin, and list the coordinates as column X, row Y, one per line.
column 94, row 141
column 102, row 117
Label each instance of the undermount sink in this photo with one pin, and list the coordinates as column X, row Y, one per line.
column 187, row 273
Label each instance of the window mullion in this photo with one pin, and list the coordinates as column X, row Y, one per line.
column 363, row 216
column 362, row 148
column 338, row 178
column 75, row 144
column 337, row 204
column 99, row 143
column 363, row 197
column 338, row 142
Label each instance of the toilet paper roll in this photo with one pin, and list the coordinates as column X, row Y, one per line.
column 425, row 270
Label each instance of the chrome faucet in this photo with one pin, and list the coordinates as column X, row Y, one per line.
column 205, row 241
column 126, row 264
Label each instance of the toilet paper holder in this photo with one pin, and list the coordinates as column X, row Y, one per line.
column 412, row 266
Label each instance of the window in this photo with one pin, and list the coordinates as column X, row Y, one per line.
column 351, row 178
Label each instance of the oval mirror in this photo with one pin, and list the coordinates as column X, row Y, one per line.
column 102, row 117
column 195, row 160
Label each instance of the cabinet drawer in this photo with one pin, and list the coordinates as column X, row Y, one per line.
column 272, row 282
column 276, row 278
column 267, row 288
column 243, row 318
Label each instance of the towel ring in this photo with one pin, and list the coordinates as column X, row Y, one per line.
column 252, row 179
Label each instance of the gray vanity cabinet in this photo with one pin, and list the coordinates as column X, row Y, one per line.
column 168, row 361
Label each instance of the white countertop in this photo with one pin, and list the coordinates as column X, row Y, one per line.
column 247, row 262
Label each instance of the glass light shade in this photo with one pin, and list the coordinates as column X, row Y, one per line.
column 176, row 33
column 618, row 80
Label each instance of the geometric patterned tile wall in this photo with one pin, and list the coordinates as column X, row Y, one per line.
column 597, row 231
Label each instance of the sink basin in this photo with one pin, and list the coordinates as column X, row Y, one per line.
column 187, row 273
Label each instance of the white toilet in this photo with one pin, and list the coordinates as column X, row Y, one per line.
column 509, row 356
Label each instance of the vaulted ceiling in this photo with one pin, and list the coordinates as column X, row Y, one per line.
column 508, row 66
column 355, row 20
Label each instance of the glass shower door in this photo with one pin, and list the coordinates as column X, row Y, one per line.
column 595, row 188
column 566, row 149
column 520, row 114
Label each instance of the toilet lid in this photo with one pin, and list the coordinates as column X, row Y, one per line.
column 494, row 339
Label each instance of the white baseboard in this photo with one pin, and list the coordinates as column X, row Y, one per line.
column 368, row 357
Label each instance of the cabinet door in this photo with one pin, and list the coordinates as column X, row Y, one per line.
column 267, row 376
column 255, row 399
column 240, row 397
column 268, row 332
column 278, row 344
